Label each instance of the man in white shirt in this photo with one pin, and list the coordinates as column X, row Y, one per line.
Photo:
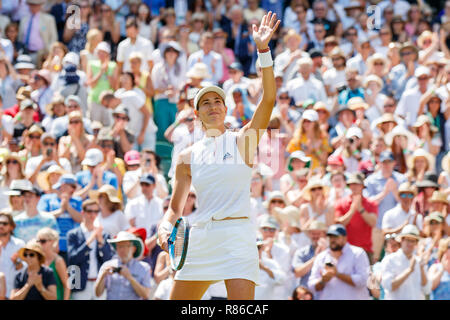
column 134, row 43
column 403, row 274
column 146, row 210
column 306, row 86
column 139, row 123
column 402, row 214
column 236, row 72
column 286, row 62
column 9, row 245
column 335, row 77
column 271, row 276
column 209, row 57
column 277, row 251
column 48, row 157
column 409, row 103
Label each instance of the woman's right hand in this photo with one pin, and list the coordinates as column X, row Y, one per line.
column 164, row 232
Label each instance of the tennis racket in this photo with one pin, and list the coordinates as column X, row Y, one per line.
column 178, row 243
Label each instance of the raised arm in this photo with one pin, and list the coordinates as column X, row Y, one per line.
column 250, row 134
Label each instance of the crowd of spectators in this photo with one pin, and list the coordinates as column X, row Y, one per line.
column 351, row 183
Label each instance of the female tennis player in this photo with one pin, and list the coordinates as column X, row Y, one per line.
column 222, row 241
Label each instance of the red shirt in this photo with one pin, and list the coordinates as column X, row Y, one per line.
column 14, row 110
column 359, row 233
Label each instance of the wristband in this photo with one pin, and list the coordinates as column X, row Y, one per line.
column 166, row 226
column 265, row 59
column 264, row 50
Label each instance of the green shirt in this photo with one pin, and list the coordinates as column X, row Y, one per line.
column 103, row 82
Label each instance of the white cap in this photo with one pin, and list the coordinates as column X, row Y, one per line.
column 104, row 46
column 72, row 58
column 92, row 157
column 354, row 132
column 203, row 91
column 421, row 70
column 310, row 115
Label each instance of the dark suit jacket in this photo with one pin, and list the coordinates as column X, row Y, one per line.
column 241, row 50
column 78, row 254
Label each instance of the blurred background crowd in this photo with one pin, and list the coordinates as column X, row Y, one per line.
column 351, row 183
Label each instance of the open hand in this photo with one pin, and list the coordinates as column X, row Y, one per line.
column 265, row 31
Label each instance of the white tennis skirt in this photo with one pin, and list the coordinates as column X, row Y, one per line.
column 221, row 250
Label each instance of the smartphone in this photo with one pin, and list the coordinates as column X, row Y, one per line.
column 148, row 162
column 49, row 152
column 329, row 264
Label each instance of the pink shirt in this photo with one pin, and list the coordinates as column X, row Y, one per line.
column 35, row 43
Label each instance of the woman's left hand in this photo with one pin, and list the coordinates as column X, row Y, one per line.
column 265, row 31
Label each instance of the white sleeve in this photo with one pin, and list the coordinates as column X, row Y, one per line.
column 128, row 181
column 8, row 124
column 120, row 52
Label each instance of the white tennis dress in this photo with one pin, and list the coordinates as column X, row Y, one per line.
column 220, row 250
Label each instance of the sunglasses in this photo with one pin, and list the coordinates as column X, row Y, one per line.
column 12, row 161
column 43, row 241
column 434, row 222
column 75, row 122
column 36, row 137
column 378, row 64
column 49, row 144
column 406, row 53
column 92, row 211
column 144, row 184
column 3, row 223
column 316, row 189
column 125, row 118
column 269, row 229
column 277, row 201
column 406, row 195
column 166, row 207
column 29, row 254
column 284, row 98
column 107, row 145
column 72, row 106
column 389, row 105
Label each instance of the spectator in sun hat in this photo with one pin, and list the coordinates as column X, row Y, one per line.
column 317, row 208
column 60, row 125
column 305, row 255
column 24, row 119
column 403, row 274
column 37, row 279
column 404, row 212
column 274, row 199
column 269, row 229
column 48, row 178
column 425, row 187
column 439, row 202
column 124, row 277
column 197, row 75
column 329, row 279
column 419, row 162
column 16, row 203
column 64, row 206
column 297, row 160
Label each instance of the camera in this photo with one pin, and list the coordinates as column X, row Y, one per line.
column 117, row 269
column 329, row 264
column 148, row 162
column 341, row 88
column 351, row 140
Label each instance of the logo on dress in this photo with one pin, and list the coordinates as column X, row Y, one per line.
column 227, row 156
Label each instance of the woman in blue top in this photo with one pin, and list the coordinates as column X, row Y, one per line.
column 439, row 273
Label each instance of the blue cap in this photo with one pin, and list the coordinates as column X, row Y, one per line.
column 67, row 178
column 386, row 155
column 336, row 230
column 235, row 66
column 147, row 178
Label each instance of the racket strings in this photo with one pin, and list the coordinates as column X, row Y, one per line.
column 179, row 241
